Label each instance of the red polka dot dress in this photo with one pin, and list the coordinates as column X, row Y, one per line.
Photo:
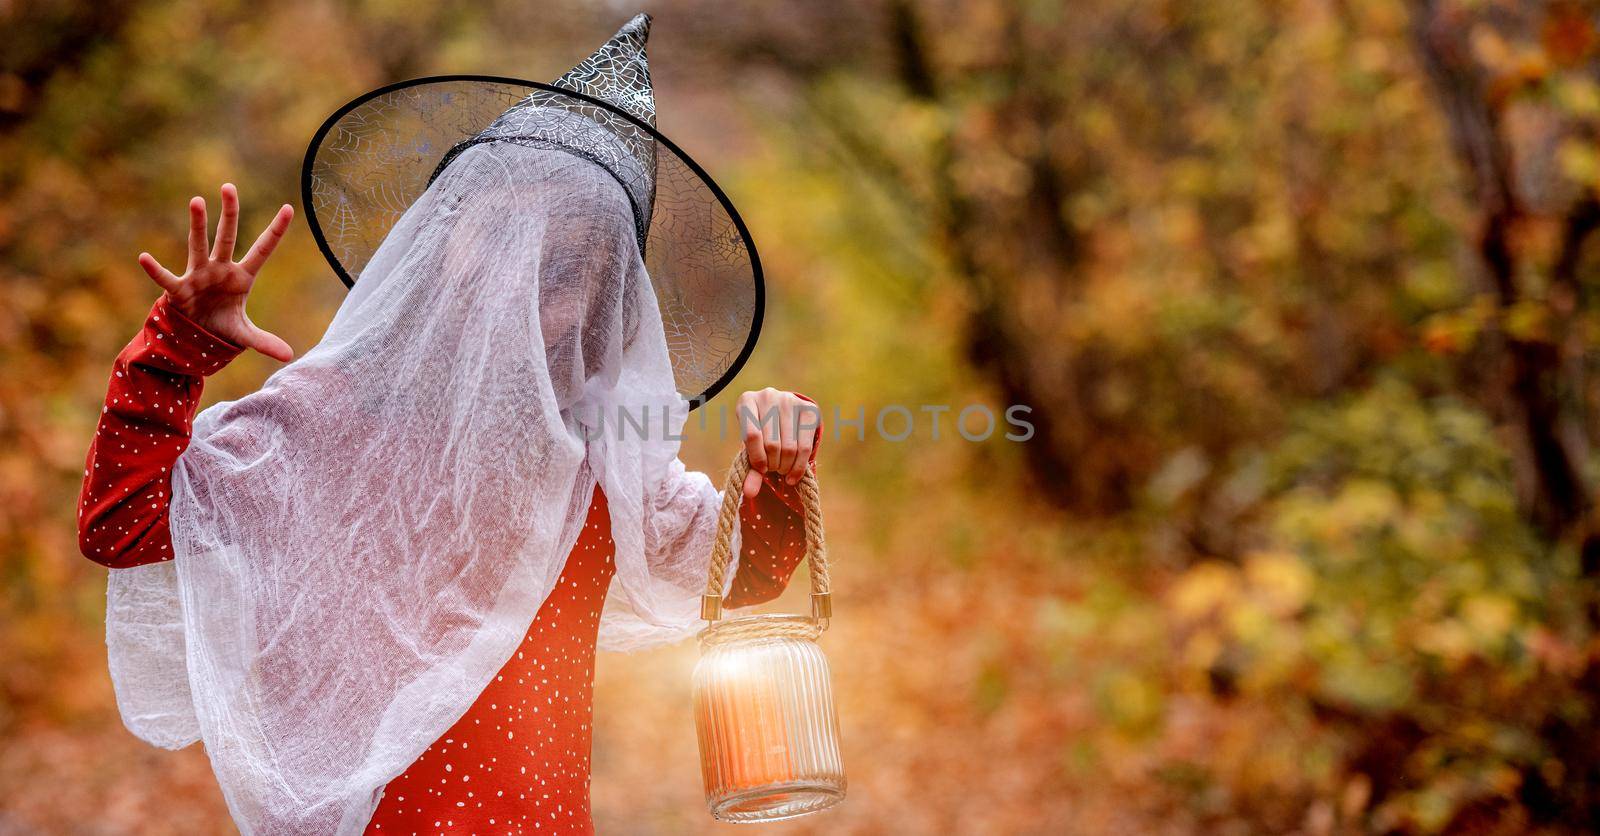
column 518, row 760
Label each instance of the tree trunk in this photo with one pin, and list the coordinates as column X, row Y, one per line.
column 1526, row 386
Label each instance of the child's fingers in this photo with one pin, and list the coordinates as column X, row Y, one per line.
column 268, row 241
column 228, row 227
column 197, row 231
column 809, row 425
column 802, row 459
column 161, row 275
column 268, row 343
column 774, row 447
column 788, row 439
column 755, row 449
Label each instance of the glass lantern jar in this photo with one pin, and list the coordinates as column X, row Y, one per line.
column 763, row 706
column 763, row 699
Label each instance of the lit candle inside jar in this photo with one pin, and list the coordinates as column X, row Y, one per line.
column 742, row 720
column 767, row 729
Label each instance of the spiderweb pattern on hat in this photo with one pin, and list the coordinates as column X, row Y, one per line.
column 378, row 154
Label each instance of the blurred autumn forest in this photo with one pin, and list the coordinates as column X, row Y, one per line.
column 1305, row 296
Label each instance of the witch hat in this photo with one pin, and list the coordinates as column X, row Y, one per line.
column 376, row 155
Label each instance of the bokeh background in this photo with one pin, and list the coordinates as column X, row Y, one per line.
column 1304, row 294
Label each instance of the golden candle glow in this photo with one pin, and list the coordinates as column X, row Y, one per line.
column 767, row 728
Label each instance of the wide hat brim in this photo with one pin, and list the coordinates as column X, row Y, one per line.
column 376, row 155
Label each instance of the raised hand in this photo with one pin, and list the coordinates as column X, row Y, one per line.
column 212, row 289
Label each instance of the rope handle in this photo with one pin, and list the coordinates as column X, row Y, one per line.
column 722, row 548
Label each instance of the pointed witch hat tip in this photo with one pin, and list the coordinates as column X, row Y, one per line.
column 618, row 73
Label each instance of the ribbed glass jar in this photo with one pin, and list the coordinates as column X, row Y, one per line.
column 769, row 736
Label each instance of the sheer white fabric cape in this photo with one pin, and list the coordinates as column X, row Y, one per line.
column 361, row 544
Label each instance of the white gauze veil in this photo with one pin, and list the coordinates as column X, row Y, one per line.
column 361, row 544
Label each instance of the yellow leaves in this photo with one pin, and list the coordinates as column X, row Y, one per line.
column 1490, row 616
column 1480, row 628
column 1275, row 584
column 1372, row 55
column 1449, row 639
column 1246, row 612
column 81, row 313
column 1280, row 582
column 1363, row 681
column 1456, row 331
column 1205, row 589
column 1271, row 238
column 1579, row 95
column 20, row 488
column 1181, row 226
column 1099, row 124
column 1527, row 320
column 1250, row 623
column 1580, row 161
column 1362, row 504
column 1201, row 651
column 1131, row 702
column 1511, row 66
column 1490, row 48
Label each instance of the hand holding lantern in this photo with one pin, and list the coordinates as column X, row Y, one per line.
column 780, row 435
column 764, row 708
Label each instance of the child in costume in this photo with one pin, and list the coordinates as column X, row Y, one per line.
column 374, row 588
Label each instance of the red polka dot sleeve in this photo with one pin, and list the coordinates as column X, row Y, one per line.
column 144, row 425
